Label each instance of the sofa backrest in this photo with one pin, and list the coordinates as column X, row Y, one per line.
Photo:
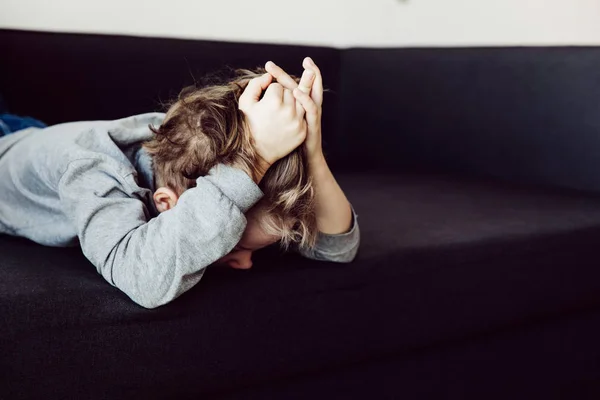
column 522, row 114
column 58, row 77
column 529, row 115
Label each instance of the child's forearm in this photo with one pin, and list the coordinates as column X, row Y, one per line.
column 334, row 213
column 339, row 235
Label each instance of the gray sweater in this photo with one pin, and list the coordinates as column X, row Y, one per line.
column 91, row 183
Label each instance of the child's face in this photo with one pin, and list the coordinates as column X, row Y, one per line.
column 253, row 238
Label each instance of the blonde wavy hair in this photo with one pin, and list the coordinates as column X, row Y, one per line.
column 204, row 127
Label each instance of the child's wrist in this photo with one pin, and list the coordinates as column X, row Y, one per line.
column 260, row 169
column 317, row 161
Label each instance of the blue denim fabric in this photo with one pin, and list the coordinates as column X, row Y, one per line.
column 10, row 123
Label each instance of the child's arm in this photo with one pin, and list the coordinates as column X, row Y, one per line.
column 339, row 235
column 154, row 261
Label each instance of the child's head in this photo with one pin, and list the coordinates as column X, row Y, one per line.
column 203, row 128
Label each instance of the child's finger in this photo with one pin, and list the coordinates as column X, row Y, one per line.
column 306, row 82
column 253, row 90
column 317, row 88
column 311, row 109
column 290, row 101
column 275, row 92
column 305, row 85
column 281, row 76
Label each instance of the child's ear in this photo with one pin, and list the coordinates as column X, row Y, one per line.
column 165, row 199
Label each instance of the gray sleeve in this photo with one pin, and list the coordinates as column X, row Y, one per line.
column 338, row 248
column 154, row 261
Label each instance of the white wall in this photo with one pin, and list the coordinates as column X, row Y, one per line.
column 341, row 23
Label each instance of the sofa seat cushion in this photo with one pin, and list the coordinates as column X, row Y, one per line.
column 442, row 260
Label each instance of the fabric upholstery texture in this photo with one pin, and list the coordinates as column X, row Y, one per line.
column 472, row 174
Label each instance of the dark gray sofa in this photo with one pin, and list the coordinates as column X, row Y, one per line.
column 475, row 174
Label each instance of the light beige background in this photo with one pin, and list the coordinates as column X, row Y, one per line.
column 339, row 23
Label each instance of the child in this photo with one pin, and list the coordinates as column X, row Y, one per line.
column 154, row 199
